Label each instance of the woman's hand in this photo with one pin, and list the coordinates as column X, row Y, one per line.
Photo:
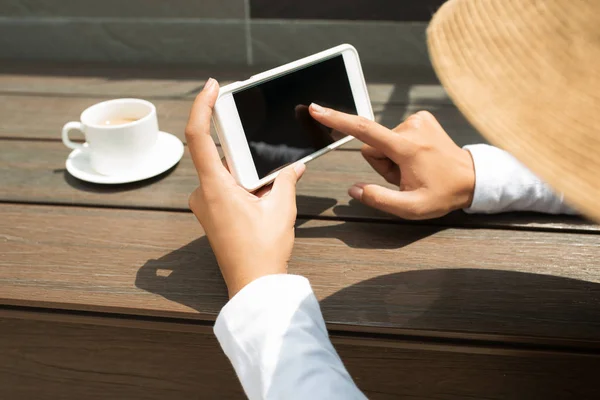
column 252, row 235
column 434, row 175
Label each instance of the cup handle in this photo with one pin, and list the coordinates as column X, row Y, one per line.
column 65, row 135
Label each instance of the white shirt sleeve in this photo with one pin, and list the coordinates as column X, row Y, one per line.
column 503, row 184
column 275, row 337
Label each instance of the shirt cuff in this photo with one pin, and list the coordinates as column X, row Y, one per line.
column 503, row 184
column 489, row 162
column 253, row 323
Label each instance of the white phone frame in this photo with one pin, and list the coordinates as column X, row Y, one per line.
column 231, row 132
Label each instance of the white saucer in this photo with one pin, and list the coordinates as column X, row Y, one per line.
column 167, row 152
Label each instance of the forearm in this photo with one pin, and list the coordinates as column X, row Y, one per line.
column 275, row 337
column 503, row 184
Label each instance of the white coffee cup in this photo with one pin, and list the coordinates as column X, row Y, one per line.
column 116, row 149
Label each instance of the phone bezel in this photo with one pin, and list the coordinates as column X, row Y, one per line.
column 231, row 132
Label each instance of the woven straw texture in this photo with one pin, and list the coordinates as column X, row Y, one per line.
column 526, row 73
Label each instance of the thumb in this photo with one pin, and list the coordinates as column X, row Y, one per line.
column 407, row 205
column 284, row 187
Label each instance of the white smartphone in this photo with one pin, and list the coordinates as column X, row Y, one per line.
column 263, row 123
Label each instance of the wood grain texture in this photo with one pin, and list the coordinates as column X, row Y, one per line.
column 379, row 280
column 93, row 80
column 34, row 172
column 52, row 112
column 45, row 360
column 385, row 85
column 368, row 277
column 58, row 94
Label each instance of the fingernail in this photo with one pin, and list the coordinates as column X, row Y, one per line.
column 209, row 83
column 299, row 168
column 317, row 108
column 355, row 192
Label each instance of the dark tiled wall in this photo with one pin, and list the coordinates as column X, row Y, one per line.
column 224, row 33
column 356, row 10
column 276, row 42
column 124, row 8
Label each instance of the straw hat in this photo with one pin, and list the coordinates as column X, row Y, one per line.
column 526, row 74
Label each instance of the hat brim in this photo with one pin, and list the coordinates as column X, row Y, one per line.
column 526, row 74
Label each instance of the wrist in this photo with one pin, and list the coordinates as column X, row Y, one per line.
column 236, row 283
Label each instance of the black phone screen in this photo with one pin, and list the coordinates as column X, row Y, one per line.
column 275, row 117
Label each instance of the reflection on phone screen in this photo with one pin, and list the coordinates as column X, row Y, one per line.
column 275, row 116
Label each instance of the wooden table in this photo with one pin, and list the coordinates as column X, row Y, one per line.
column 111, row 292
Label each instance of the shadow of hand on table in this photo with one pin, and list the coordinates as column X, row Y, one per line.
column 455, row 303
column 356, row 209
column 470, row 300
column 473, row 301
column 190, row 275
column 364, row 235
column 447, row 299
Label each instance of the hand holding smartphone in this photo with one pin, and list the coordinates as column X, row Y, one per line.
column 263, row 123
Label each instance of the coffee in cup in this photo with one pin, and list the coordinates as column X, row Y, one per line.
column 120, row 135
column 120, row 121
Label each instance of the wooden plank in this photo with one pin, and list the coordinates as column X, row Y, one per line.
column 34, row 172
column 385, row 85
column 52, row 112
column 110, row 85
column 514, row 285
column 48, row 360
